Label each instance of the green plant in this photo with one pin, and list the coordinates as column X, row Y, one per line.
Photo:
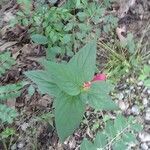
column 64, row 29
column 46, row 117
column 145, row 74
column 117, row 134
column 6, row 62
column 9, row 91
column 121, row 58
column 5, row 134
column 72, row 87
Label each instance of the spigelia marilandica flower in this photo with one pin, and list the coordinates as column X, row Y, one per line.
column 97, row 77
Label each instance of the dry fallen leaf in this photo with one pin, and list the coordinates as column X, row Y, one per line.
column 124, row 7
column 8, row 16
column 119, row 32
column 7, row 45
column 11, row 103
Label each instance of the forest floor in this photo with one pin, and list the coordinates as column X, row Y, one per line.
column 36, row 132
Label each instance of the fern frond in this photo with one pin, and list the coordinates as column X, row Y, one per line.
column 10, row 90
column 7, row 114
column 6, row 61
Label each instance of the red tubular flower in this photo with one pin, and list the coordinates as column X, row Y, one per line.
column 86, row 85
column 99, row 77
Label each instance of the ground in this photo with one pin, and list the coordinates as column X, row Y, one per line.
column 132, row 96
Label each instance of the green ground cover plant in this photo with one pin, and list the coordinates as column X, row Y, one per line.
column 9, row 91
column 64, row 29
column 144, row 76
column 119, row 133
column 122, row 58
column 73, row 86
column 69, row 30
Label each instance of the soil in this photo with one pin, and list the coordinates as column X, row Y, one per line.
column 34, row 134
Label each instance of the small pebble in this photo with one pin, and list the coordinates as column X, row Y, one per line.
column 145, row 89
column 127, row 91
column 147, row 114
column 148, row 144
column 72, row 143
column 135, row 110
column 20, row 145
column 120, row 96
column 144, row 146
column 140, row 83
column 144, row 136
column 123, row 105
column 14, row 147
column 148, row 91
column 128, row 112
column 145, row 102
column 24, row 126
column 131, row 87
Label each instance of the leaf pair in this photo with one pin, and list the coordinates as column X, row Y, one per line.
column 65, row 83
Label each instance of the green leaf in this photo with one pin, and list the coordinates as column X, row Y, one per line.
column 130, row 43
column 69, row 111
column 110, row 130
column 7, row 132
column 98, row 97
column 137, row 127
column 147, row 83
column 87, row 145
column 68, row 78
column 120, row 123
column 100, row 141
column 114, row 135
column 129, row 138
column 78, row 3
column 52, row 52
column 6, row 62
column 85, row 59
column 82, row 16
column 10, row 90
column 39, row 39
column 31, row 90
column 119, row 145
column 146, row 70
column 44, row 82
column 7, row 114
column 69, row 26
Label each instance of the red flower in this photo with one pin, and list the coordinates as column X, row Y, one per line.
column 86, row 85
column 98, row 77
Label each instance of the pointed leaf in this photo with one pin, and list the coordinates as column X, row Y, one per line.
column 120, row 145
column 110, row 129
column 44, row 82
column 98, row 96
column 87, row 145
column 100, row 141
column 120, row 123
column 129, row 138
column 67, row 78
column 39, row 39
column 85, row 59
column 69, row 111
